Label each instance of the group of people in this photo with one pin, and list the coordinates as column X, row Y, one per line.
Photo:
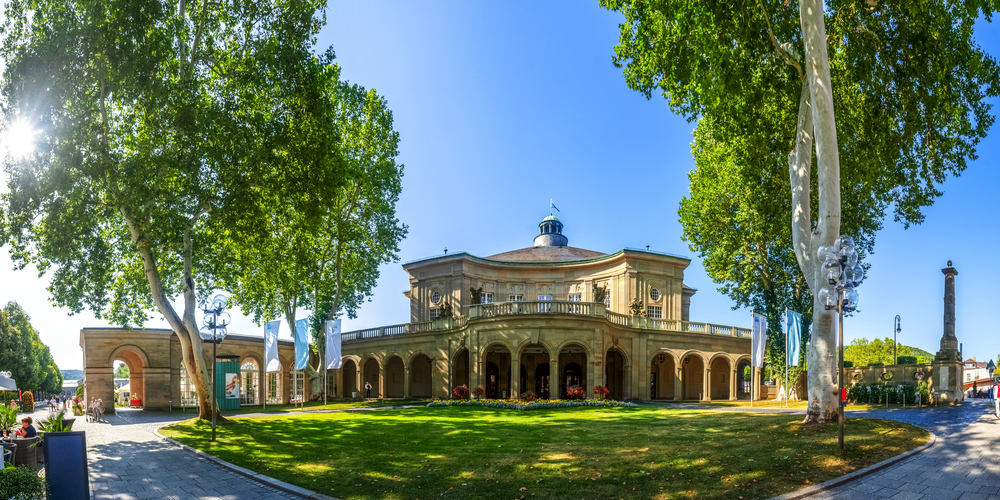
column 60, row 402
column 96, row 408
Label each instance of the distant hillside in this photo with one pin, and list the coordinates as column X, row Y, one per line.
column 72, row 374
column 916, row 351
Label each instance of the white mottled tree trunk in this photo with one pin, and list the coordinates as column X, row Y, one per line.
column 816, row 123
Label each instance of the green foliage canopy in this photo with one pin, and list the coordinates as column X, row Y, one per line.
column 863, row 352
column 23, row 354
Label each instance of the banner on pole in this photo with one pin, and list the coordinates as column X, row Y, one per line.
column 301, row 344
column 794, row 337
column 758, row 339
column 271, row 362
column 333, row 357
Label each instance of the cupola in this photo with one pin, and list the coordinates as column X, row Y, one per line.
column 550, row 233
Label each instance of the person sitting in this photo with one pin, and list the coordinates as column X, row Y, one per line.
column 26, row 430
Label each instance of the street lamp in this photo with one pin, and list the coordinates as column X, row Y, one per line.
column 895, row 345
column 214, row 330
column 843, row 274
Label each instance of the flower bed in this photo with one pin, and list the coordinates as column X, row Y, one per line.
column 541, row 404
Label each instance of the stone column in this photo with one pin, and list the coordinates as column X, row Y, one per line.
column 949, row 343
column 515, row 376
column 380, row 385
column 407, row 374
column 678, row 381
column 706, row 384
column 732, row 385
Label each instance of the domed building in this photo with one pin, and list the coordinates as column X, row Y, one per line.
column 544, row 319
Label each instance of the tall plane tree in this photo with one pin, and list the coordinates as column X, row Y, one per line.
column 320, row 246
column 153, row 123
column 907, row 81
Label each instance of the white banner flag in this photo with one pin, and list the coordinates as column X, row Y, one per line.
column 333, row 357
column 271, row 362
column 758, row 339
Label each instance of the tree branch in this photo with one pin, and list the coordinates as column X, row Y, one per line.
column 782, row 52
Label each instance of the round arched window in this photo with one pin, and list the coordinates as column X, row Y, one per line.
column 654, row 294
column 436, row 297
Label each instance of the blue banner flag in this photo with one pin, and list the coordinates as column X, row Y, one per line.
column 271, row 362
column 794, row 337
column 553, row 205
column 301, row 344
column 758, row 340
column 333, row 357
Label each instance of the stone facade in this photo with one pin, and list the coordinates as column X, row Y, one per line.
column 526, row 320
column 153, row 357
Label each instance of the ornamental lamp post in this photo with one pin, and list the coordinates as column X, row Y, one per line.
column 843, row 274
column 895, row 345
column 213, row 331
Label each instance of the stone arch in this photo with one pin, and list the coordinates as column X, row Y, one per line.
column 570, row 369
column 252, row 391
column 137, row 361
column 586, row 348
column 616, row 373
column 394, row 384
column 720, row 375
column 371, row 373
column 349, row 375
column 420, row 375
column 459, row 368
column 662, row 374
column 129, row 348
column 743, row 390
column 692, row 367
column 495, row 371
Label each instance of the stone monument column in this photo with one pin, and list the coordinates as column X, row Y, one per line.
column 949, row 343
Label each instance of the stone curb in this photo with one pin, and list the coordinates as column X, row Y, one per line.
column 838, row 481
column 270, row 482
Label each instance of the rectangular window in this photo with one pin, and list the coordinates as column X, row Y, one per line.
column 300, row 385
column 434, row 314
column 575, row 297
column 515, row 298
column 273, row 396
column 654, row 312
column 487, row 298
column 544, row 307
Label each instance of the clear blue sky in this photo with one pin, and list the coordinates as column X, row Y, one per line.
column 501, row 107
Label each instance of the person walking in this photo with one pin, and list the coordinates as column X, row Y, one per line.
column 996, row 400
column 368, row 390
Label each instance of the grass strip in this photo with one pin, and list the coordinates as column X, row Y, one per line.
column 475, row 452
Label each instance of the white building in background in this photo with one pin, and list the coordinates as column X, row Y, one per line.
column 975, row 370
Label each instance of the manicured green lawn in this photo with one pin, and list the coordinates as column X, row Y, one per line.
column 312, row 405
column 478, row 452
column 801, row 405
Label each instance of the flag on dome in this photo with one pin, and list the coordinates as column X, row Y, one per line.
column 553, row 205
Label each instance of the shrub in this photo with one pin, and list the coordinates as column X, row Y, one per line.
column 529, row 396
column 8, row 418
column 880, row 393
column 27, row 401
column 461, row 392
column 22, row 483
column 876, row 364
column 601, row 391
column 79, row 391
column 925, row 393
column 576, row 392
column 906, row 360
column 479, row 391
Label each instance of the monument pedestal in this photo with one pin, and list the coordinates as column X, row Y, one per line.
column 948, row 364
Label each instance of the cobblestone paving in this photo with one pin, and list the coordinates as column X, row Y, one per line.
column 128, row 462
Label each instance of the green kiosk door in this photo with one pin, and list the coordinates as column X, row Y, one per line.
column 227, row 386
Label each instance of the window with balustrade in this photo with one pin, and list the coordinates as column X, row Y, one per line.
column 576, row 297
column 654, row 312
column 434, row 313
column 487, row 298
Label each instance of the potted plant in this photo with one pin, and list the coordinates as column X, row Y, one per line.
column 479, row 391
column 8, row 419
column 461, row 392
column 601, row 392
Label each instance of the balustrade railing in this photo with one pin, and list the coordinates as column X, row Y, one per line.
column 561, row 307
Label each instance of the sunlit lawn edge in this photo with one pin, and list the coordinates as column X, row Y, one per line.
column 647, row 452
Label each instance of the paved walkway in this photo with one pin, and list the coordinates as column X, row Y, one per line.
column 128, row 462
column 963, row 464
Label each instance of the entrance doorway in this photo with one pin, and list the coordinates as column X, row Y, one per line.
column 614, row 374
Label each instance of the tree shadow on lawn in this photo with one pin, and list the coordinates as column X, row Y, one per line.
column 492, row 453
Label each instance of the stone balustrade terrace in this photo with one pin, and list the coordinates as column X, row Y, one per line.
column 545, row 307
